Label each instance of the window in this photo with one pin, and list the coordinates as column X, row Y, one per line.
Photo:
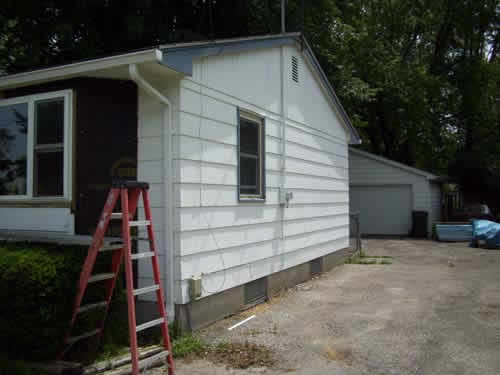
column 251, row 157
column 35, row 146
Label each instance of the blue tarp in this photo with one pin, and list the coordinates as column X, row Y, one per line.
column 487, row 231
column 454, row 232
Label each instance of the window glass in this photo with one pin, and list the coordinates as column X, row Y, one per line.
column 13, row 149
column 249, row 176
column 251, row 158
column 49, row 121
column 249, row 134
column 49, row 169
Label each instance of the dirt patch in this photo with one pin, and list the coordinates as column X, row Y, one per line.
column 337, row 355
column 241, row 356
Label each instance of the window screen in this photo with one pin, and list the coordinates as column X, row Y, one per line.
column 251, row 157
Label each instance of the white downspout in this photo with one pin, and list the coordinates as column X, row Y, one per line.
column 282, row 155
column 167, row 184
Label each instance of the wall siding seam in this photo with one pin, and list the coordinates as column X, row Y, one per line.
column 268, row 187
column 176, row 230
column 200, row 116
column 324, row 136
column 256, row 262
column 250, row 244
column 316, row 149
column 198, row 138
column 203, row 117
column 272, row 170
column 312, row 161
column 237, row 101
column 269, row 204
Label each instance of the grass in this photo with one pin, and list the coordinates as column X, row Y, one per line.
column 363, row 258
column 110, row 351
column 188, row 345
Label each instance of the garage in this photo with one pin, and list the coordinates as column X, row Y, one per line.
column 385, row 193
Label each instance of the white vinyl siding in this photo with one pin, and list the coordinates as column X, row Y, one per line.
column 228, row 242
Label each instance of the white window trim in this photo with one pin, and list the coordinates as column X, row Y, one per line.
column 68, row 146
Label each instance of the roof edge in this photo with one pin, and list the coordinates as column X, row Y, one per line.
column 63, row 71
column 393, row 163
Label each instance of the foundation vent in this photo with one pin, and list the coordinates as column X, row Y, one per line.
column 256, row 292
column 316, row 266
column 295, row 69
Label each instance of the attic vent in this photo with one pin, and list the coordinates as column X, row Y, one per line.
column 295, row 69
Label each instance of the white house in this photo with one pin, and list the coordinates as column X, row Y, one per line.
column 244, row 144
column 386, row 192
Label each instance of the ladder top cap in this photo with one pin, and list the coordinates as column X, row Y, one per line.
column 128, row 184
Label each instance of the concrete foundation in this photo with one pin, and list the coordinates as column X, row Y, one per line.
column 200, row 313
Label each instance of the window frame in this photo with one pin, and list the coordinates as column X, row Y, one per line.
column 30, row 100
column 261, row 123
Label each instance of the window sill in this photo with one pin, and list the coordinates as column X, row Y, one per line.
column 250, row 200
column 36, row 202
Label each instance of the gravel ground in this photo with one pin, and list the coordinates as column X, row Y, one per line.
column 435, row 310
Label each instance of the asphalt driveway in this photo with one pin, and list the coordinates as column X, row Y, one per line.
column 435, row 310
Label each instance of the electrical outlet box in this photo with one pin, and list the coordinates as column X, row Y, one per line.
column 285, row 197
column 195, row 287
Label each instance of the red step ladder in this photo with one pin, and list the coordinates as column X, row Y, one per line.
column 129, row 193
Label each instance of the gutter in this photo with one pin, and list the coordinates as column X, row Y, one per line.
column 167, row 182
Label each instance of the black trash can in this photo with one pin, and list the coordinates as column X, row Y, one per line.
column 419, row 224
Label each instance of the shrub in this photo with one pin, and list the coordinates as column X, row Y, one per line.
column 37, row 290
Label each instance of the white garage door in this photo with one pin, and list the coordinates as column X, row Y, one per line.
column 383, row 209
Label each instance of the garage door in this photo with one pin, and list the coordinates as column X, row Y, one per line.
column 383, row 209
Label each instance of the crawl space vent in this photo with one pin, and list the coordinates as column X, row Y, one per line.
column 316, row 266
column 255, row 292
column 295, row 69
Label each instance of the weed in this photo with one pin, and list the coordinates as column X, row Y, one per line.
column 111, row 350
column 188, row 345
column 366, row 259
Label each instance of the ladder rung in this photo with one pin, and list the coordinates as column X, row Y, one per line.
column 100, row 277
column 139, row 223
column 140, row 238
column 108, row 247
column 116, row 215
column 146, row 289
column 150, row 324
column 146, row 362
column 91, row 306
column 72, row 340
column 148, row 254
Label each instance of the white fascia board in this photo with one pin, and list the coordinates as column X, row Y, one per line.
column 70, row 70
column 393, row 163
